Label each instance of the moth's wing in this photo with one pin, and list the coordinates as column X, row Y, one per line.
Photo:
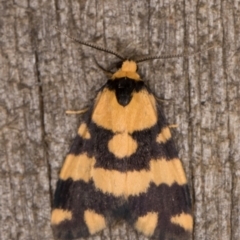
column 164, row 210
column 77, row 209
column 150, row 176
column 170, row 186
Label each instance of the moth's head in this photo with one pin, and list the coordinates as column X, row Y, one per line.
column 129, row 66
column 128, row 69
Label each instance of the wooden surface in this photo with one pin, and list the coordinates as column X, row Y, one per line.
column 43, row 73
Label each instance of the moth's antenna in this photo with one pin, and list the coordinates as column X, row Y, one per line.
column 92, row 45
column 108, row 73
column 172, row 56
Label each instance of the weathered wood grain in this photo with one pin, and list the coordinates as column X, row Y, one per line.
column 43, row 73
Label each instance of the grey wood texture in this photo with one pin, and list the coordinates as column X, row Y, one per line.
column 43, row 73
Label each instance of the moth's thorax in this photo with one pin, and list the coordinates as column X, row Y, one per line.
column 128, row 70
column 139, row 114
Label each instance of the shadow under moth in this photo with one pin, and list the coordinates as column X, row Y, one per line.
column 123, row 165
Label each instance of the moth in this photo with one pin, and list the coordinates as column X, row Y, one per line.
column 123, row 164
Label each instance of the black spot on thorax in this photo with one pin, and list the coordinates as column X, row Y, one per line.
column 124, row 88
